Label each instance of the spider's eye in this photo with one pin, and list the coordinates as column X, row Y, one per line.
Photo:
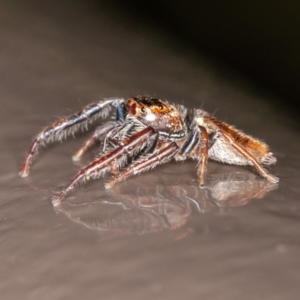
column 143, row 109
column 160, row 107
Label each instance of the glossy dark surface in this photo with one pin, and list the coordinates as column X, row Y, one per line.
column 157, row 235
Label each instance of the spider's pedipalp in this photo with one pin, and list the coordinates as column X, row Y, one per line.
column 66, row 126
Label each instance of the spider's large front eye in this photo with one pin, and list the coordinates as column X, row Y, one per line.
column 160, row 107
column 143, row 109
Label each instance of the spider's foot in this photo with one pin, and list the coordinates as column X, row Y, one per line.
column 272, row 178
column 76, row 157
column 202, row 181
column 23, row 173
column 109, row 185
column 56, row 202
column 80, row 152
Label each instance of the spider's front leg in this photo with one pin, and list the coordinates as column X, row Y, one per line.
column 104, row 163
column 102, row 132
column 66, row 126
column 162, row 154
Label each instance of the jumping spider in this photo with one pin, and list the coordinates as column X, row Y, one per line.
column 148, row 132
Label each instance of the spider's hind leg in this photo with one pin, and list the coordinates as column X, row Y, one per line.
column 235, row 147
column 204, row 145
column 243, row 151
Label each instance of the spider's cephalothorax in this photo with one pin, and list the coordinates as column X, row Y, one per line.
column 161, row 116
column 148, row 132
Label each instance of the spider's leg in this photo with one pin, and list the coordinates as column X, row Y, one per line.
column 103, row 164
column 190, row 143
column 213, row 137
column 204, row 138
column 160, row 156
column 196, row 146
column 239, row 141
column 66, row 126
column 260, row 169
column 121, row 112
column 149, row 148
column 98, row 134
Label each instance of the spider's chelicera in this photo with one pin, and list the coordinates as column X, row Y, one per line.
column 148, row 132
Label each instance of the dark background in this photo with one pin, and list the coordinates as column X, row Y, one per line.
column 259, row 39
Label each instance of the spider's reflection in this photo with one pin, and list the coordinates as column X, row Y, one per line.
column 165, row 204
